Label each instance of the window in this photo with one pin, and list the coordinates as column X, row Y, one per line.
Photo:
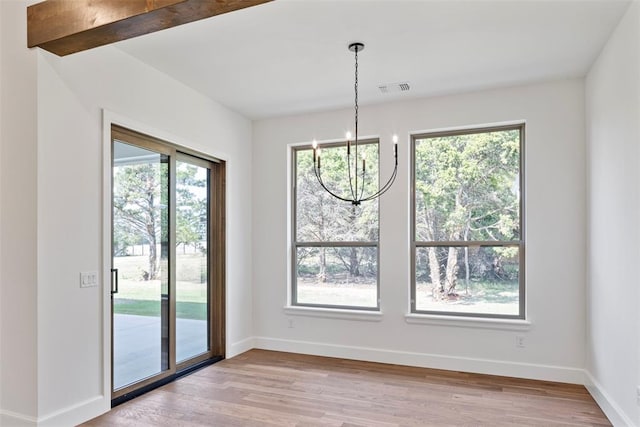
column 468, row 246
column 335, row 244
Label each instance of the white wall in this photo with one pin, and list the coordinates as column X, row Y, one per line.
column 1, row 224
column 72, row 93
column 53, row 332
column 18, row 280
column 555, row 246
column 2, row 37
column 613, row 138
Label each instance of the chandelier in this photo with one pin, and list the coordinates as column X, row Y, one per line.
column 355, row 174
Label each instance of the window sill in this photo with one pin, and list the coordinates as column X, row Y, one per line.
column 334, row 313
column 469, row 322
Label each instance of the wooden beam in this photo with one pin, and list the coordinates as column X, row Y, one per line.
column 64, row 27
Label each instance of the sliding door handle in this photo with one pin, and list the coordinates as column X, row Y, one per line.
column 114, row 281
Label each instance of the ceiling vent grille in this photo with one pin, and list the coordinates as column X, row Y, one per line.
column 394, row 87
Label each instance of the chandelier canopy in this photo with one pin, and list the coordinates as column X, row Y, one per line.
column 356, row 176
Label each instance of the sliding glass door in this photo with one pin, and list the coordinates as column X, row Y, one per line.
column 167, row 261
column 192, row 262
column 140, row 243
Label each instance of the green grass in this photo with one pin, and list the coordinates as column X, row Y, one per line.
column 184, row 310
column 190, row 276
column 504, row 292
column 150, row 290
column 189, row 267
column 142, row 297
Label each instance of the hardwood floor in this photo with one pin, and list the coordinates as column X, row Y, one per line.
column 261, row 387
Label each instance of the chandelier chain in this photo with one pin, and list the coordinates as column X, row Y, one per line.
column 356, row 89
column 355, row 162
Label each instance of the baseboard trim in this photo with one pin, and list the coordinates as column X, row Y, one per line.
column 424, row 360
column 14, row 419
column 70, row 416
column 610, row 408
column 240, row 347
column 78, row 413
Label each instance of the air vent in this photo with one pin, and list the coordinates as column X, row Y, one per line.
column 394, row 87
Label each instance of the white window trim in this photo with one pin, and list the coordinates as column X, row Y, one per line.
column 333, row 313
column 469, row 322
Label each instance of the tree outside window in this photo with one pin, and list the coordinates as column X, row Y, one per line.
column 467, row 210
column 335, row 256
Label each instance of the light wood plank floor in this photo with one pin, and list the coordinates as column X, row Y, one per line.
column 261, row 388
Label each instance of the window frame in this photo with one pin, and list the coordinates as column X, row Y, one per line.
column 295, row 244
column 520, row 244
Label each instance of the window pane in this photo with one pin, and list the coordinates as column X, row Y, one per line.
column 477, row 279
column 467, row 187
column 192, row 270
column 140, row 244
column 321, row 217
column 337, row 276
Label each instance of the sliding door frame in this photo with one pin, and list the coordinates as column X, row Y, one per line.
column 151, row 144
column 216, row 262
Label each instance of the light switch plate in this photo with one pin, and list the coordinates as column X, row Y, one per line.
column 88, row 279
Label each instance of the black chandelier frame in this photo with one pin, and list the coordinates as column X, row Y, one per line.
column 357, row 195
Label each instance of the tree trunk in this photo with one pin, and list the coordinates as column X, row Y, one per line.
column 466, row 255
column 434, row 265
column 151, row 235
column 153, row 259
column 466, row 270
column 322, row 273
column 452, row 270
column 452, row 258
column 354, row 263
column 434, row 269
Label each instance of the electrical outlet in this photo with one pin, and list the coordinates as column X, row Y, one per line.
column 520, row 341
column 638, row 395
column 88, row 279
column 291, row 325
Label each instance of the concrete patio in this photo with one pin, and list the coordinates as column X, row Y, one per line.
column 137, row 345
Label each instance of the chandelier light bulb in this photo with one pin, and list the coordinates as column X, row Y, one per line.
column 314, row 144
column 348, row 135
column 395, row 139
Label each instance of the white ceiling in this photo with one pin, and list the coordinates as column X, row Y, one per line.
column 290, row 56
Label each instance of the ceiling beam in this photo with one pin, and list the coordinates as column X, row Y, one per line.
column 64, row 27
